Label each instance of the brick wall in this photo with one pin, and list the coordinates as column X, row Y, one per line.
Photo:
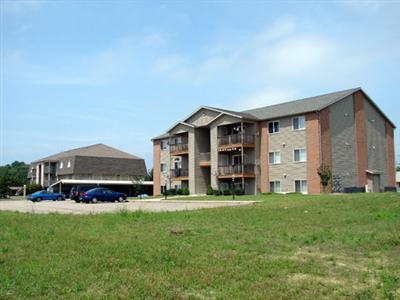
column 391, row 176
column 313, row 153
column 359, row 125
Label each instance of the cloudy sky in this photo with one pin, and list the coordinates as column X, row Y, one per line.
column 75, row 73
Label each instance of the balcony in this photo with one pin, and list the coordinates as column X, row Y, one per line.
column 179, row 149
column 236, row 140
column 51, row 170
column 180, row 174
column 238, row 171
column 205, row 159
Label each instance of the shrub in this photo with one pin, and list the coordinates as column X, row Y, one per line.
column 185, row 191
column 227, row 192
column 179, row 191
column 210, row 190
column 239, row 191
column 31, row 188
column 171, row 192
column 217, row 193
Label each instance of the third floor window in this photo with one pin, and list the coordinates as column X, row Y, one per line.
column 273, row 127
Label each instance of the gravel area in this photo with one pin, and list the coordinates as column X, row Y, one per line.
column 71, row 207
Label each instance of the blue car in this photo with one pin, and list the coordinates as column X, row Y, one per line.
column 101, row 194
column 46, row 195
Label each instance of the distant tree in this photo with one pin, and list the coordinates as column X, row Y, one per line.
column 149, row 175
column 398, row 168
column 15, row 174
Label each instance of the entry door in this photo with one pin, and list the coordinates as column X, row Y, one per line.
column 373, row 182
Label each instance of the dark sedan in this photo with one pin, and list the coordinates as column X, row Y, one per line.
column 102, row 194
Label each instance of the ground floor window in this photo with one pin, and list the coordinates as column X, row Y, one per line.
column 300, row 186
column 275, row 186
column 163, row 189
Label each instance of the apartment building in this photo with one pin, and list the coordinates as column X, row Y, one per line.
column 279, row 148
column 95, row 162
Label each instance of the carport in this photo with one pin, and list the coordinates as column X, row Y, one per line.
column 123, row 186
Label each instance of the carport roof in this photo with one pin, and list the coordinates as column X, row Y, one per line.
column 100, row 182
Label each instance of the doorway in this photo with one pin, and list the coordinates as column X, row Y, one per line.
column 373, row 183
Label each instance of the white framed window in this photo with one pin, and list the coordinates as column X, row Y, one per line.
column 273, row 127
column 275, row 186
column 163, row 144
column 61, row 165
column 163, row 167
column 69, row 164
column 274, row 157
column 299, row 155
column 299, row 123
column 300, row 186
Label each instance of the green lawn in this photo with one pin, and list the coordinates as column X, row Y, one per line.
column 295, row 246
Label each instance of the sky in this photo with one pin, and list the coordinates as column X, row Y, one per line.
column 76, row 73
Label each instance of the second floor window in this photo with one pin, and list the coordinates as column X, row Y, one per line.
column 273, row 127
column 299, row 123
column 300, row 155
column 61, row 165
column 69, row 164
column 274, row 158
column 163, row 167
column 163, row 144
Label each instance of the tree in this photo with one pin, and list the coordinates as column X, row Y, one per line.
column 149, row 175
column 325, row 174
column 398, row 168
column 15, row 174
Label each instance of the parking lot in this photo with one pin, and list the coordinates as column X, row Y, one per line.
column 71, row 207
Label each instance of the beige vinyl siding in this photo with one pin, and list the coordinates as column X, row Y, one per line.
column 285, row 142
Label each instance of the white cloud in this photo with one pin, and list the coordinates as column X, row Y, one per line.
column 102, row 67
column 264, row 98
column 21, row 6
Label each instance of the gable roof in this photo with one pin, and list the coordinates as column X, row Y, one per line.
column 97, row 150
column 291, row 108
column 299, row 106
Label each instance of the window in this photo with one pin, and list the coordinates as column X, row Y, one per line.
column 61, row 165
column 274, row 157
column 275, row 186
column 299, row 123
column 300, row 155
column 300, row 186
column 163, row 189
column 69, row 164
column 163, row 144
column 163, row 167
column 273, row 127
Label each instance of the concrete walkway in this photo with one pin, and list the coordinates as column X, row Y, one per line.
column 71, row 207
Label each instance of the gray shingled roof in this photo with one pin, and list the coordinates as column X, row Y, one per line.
column 237, row 113
column 299, row 106
column 97, row 150
column 295, row 107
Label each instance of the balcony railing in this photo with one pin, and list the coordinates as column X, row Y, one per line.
column 178, row 148
column 48, row 169
column 234, row 139
column 179, row 173
column 236, row 170
column 203, row 157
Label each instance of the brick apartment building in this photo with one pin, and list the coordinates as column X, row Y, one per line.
column 279, row 148
column 95, row 164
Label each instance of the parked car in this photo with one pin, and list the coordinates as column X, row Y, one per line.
column 4, row 196
column 102, row 194
column 77, row 190
column 45, row 195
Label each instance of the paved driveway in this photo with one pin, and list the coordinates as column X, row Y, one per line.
column 66, row 207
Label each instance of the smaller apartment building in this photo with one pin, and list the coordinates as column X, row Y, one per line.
column 95, row 162
column 279, row 148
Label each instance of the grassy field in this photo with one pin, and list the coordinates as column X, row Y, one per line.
column 283, row 247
